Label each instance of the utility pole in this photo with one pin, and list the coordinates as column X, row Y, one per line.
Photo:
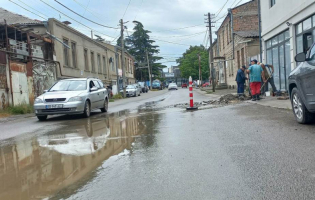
column 123, row 56
column 199, row 71
column 149, row 69
column 212, row 70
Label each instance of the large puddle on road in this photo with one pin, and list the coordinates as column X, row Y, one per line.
column 39, row 167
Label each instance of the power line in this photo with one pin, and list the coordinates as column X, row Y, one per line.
column 33, row 8
column 222, row 8
column 181, row 35
column 180, row 28
column 83, row 16
column 86, row 8
column 238, row 3
column 126, row 9
column 28, row 10
column 171, row 42
column 75, row 20
column 138, row 10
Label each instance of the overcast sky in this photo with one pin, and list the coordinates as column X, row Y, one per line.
column 160, row 17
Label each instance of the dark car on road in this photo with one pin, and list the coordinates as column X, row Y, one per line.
column 302, row 87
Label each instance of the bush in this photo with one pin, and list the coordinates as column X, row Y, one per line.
column 111, row 100
column 20, row 109
column 117, row 96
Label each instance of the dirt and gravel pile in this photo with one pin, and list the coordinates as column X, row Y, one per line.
column 224, row 100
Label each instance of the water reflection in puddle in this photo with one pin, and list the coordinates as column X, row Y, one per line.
column 38, row 167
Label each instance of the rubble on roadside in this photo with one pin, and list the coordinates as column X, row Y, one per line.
column 223, row 100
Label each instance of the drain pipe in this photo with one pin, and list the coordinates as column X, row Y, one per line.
column 259, row 18
column 232, row 31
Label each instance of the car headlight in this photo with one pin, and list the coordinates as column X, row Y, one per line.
column 38, row 100
column 72, row 99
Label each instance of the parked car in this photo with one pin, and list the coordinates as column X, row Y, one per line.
column 131, row 91
column 138, row 88
column 72, row 96
column 184, row 85
column 172, row 86
column 302, row 87
column 144, row 87
column 207, row 84
column 157, row 85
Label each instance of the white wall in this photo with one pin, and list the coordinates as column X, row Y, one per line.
column 274, row 20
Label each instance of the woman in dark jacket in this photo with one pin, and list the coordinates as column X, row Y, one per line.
column 241, row 79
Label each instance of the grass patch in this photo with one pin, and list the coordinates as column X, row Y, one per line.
column 112, row 100
column 209, row 92
column 16, row 110
column 117, row 96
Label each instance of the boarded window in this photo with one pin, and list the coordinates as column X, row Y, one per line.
column 99, row 63
column 86, row 60
column 104, row 65
column 92, row 61
column 66, row 52
column 74, row 54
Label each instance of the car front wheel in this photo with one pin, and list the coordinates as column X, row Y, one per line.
column 105, row 108
column 302, row 115
column 42, row 118
column 87, row 110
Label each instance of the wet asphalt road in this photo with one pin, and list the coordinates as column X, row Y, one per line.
column 148, row 150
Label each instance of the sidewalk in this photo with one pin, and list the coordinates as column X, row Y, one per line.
column 267, row 101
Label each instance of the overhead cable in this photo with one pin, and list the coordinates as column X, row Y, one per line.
column 76, row 20
column 84, row 17
column 28, row 10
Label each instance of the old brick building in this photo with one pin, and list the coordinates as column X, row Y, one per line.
column 237, row 42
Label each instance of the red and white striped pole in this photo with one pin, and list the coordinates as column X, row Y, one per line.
column 191, row 96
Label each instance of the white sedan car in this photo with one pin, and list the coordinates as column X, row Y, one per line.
column 172, row 86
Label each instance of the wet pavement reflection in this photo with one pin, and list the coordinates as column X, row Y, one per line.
column 41, row 166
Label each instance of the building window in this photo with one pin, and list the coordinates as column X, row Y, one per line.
column 223, row 38
column 66, row 52
column 272, row 3
column 86, row 60
column 278, row 55
column 238, row 59
column 104, row 65
column 74, row 54
column 305, row 34
column 99, row 63
column 92, row 61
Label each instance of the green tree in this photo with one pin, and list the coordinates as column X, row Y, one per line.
column 138, row 44
column 189, row 63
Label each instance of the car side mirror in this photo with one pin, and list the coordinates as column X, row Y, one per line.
column 45, row 91
column 301, row 57
column 93, row 89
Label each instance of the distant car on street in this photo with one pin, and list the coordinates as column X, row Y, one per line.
column 138, row 86
column 131, row 91
column 172, row 86
column 184, row 85
column 157, row 85
column 144, row 87
column 72, row 96
column 302, row 87
column 207, row 84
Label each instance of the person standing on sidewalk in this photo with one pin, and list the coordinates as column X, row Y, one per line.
column 240, row 80
column 256, row 73
column 268, row 71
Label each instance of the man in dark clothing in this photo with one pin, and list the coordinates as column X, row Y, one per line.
column 241, row 79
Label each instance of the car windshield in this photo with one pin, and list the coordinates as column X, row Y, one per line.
column 173, row 84
column 69, row 86
column 131, row 87
column 141, row 83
